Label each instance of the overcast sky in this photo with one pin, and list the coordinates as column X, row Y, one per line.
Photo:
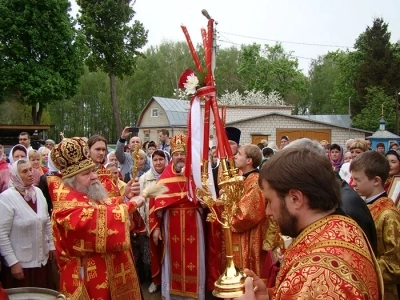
column 321, row 22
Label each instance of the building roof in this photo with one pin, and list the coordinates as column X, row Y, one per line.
column 303, row 118
column 176, row 110
column 383, row 134
column 337, row 120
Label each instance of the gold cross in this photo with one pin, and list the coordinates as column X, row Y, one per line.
column 191, row 239
column 191, row 266
column 123, row 273
column 176, row 265
column 175, row 238
column 80, row 247
column 60, row 191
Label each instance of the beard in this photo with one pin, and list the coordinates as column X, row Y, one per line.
column 95, row 191
column 178, row 166
column 288, row 223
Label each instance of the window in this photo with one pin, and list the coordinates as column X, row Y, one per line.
column 154, row 113
column 146, row 137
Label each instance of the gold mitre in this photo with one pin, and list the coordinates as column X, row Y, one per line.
column 178, row 143
column 71, row 156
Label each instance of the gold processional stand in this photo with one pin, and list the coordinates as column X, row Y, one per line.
column 231, row 282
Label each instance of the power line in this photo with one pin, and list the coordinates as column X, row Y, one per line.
column 288, row 42
column 290, row 55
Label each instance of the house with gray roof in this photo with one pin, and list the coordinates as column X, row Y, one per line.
column 255, row 122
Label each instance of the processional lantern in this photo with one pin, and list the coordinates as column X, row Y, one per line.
column 231, row 283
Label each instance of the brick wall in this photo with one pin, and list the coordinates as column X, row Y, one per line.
column 269, row 124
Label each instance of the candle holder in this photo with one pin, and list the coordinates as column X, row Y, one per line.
column 231, row 282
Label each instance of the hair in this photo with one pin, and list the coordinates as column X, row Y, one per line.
column 335, row 146
column 373, row 164
column 151, row 144
column 111, row 165
column 393, row 152
column 70, row 181
column 44, row 150
column 142, row 154
column 324, row 141
column 1, row 146
column 307, row 144
column 144, row 146
column 159, row 153
column 22, row 161
column 267, row 151
column 380, row 145
column 94, row 139
column 165, row 132
column 260, row 146
column 306, row 170
column 359, row 144
column 25, row 133
column 285, row 137
column 253, row 152
column 33, row 153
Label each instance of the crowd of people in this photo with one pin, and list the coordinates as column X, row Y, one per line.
column 315, row 220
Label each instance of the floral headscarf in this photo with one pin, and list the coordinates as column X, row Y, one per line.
column 16, row 182
column 338, row 163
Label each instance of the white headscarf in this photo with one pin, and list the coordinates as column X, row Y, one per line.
column 16, row 182
column 50, row 165
column 153, row 170
column 20, row 147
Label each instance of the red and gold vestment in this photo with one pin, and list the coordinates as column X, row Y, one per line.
column 387, row 222
column 182, row 237
column 92, row 246
column 249, row 225
column 330, row 259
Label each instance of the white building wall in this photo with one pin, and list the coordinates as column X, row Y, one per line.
column 268, row 126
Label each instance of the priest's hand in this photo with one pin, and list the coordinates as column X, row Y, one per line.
column 254, row 287
column 156, row 236
column 132, row 188
column 17, row 271
column 139, row 200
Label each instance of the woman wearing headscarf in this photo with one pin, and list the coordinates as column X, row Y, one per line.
column 158, row 163
column 335, row 155
column 393, row 158
column 26, row 241
column 17, row 152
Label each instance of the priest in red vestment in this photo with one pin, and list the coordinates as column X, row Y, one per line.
column 250, row 223
column 177, row 220
column 330, row 257
column 91, row 231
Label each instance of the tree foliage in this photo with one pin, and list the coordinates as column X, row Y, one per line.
column 270, row 69
column 41, row 53
column 114, row 41
column 376, row 101
column 379, row 65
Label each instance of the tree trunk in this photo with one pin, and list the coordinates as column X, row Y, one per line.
column 117, row 116
column 37, row 115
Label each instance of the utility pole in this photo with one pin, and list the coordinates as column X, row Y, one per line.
column 214, row 43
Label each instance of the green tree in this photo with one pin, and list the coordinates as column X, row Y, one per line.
column 41, row 53
column 114, row 41
column 272, row 69
column 379, row 63
column 376, row 101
